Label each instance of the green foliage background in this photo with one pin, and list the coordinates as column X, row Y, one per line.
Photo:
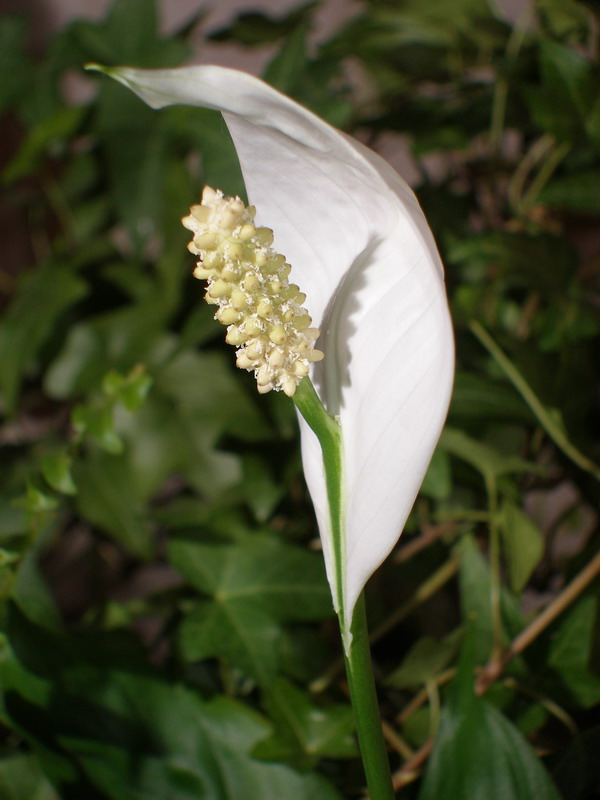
column 167, row 630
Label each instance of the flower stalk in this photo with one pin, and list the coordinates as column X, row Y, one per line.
column 355, row 636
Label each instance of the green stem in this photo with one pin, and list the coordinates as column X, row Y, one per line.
column 495, row 577
column 366, row 710
column 543, row 416
column 329, row 434
column 355, row 636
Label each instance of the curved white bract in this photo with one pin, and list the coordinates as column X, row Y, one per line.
column 363, row 254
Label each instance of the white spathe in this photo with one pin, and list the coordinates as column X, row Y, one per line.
column 362, row 252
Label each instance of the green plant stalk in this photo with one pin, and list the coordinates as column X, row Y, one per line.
column 329, row 434
column 495, row 576
column 548, row 423
column 359, row 671
column 355, row 635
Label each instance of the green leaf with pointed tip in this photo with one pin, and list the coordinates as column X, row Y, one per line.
column 476, row 601
column 98, row 423
column 478, row 753
column 523, row 544
column 56, row 469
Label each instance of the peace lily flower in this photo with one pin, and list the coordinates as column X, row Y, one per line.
column 361, row 251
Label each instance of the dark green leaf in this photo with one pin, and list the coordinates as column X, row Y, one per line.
column 476, row 396
column 577, row 192
column 476, row 600
column 32, row 594
column 305, row 732
column 282, row 579
column 438, row 480
column 570, row 652
column 43, row 140
column 425, row 661
column 108, row 498
column 252, row 28
column 261, row 491
column 254, row 586
column 478, row 753
column 109, row 728
column 56, row 469
column 236, row 631
column 523, row 544
column 13, row 64
column 128, row 35
column 577, row 774
column 43, row 296
column 98, row 423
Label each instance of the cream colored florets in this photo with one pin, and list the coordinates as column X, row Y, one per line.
column 248, row 281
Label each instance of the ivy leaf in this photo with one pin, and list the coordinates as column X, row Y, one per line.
column 108, row 498
column 254, row 586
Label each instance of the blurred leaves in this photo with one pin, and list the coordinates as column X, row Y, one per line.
column 91, row 698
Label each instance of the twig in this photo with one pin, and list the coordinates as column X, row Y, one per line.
column 396, row 741
column 430, row 534
column 426, row 590
column 495, row 667
column 422, row 697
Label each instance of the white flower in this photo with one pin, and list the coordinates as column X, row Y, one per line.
column 361, row 250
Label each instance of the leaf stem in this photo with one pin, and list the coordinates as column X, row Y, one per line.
column 543, row 416
column 366, row 710
column 494, row 555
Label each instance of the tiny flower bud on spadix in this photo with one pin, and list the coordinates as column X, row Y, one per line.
column 248, row 280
